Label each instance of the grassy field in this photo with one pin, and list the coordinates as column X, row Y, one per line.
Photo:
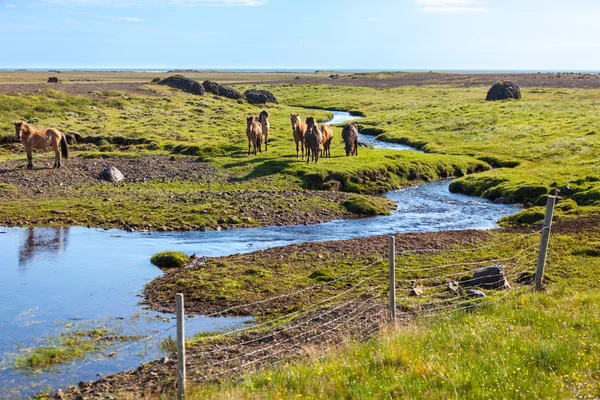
column 528, row 345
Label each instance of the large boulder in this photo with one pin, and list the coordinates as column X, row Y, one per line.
column 503, row 91
column 491, row 277
column 218, row 90
column 259, row 96
column 112, row 174
column 53, row 79
column 184, row 84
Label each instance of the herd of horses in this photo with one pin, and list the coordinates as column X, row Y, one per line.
column 311, row 139
column 307, row 135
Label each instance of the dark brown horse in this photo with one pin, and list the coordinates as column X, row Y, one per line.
column 298, row 129
column 263, row 118
column 42, row 139
column 254, row 133
column 350, row 136
column 312, row 137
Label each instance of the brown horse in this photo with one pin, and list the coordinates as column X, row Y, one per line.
column 327, row 132
column 41, row 139
column 350, row 136
column 254, row 133
column 312, row 137
column 298, row 129
column 263, row 118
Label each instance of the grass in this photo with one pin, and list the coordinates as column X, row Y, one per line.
column 526, row 345
column 363, row 206
column 170, row 259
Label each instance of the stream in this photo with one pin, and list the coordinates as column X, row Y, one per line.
column 81, row 278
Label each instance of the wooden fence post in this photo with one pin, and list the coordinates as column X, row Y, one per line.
column 541, row 264
column 392, row 268
column 180, row 347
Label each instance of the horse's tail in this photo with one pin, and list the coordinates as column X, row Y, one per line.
column 64, row 147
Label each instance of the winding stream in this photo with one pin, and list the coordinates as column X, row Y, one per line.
column 74, row 276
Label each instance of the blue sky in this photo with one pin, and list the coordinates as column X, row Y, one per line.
column 289, row 34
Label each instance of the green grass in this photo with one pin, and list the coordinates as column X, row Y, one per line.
column 363, row 206
column 170, row 259
column 525, row 345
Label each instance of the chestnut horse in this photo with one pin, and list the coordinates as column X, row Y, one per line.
column 41, row 139
column 312, row 137
column 350, row 136
column 254, row 133
column 327, row 132
column 298, row 129
column 263, row 118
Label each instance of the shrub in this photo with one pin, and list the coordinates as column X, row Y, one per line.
column 170, row 259
column 364, row 206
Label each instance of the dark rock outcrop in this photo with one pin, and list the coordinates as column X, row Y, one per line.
column 53, row 79
column 503, row 91
column 184, row 84
column 156, row 80
column 491, row 277
column 218, row 90
column 259, row 96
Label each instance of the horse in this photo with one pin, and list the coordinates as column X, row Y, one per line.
column 327, row 131
column 312, row 137
column 263, row 118
column 42, row 139
column 254, row 133
column 298, row 129
column 350, row 136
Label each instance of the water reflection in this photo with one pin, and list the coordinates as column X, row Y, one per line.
column 51, row 241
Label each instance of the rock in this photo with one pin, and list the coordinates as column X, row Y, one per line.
column 416, row 291
column 478, row 294
column 453, row 286
column 218, row 90
column 156, row 80
column 503, row 91
column 184, row 84
column 165, row 360
column 259, row 96
column 501, row 200
column 111, row 174
column 334, row 76
column 491, row 277
column 566, row 190
column 53, row 79
column 59, row 395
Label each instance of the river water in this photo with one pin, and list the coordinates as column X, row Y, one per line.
column 55, row 279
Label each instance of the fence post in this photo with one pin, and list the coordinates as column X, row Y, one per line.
column 180, row 347
column 541, row 264
column 392, row 267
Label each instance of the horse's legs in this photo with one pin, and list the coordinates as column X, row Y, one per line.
column 297, row 149
column 267, row 141
column 302, row 143
column 29, row 159
column 56, row 157
column 248, row 147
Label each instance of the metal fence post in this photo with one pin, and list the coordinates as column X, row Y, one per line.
column 392, row 268
column 180, row 347
column 541, row 264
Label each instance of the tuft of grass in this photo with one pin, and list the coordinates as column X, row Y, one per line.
column 170, row 259
column 364, row 206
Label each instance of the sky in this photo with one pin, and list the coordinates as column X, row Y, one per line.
column 301, row 34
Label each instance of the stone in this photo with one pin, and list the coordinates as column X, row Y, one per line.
column 156, row 80
column 259, row 96
column 218, row 90
column 53, row 79
column 491, row 277
column 416, row 291
column 503, row 91
column 501, row 200
column 453, row 286
column 478, row 294
column 112, row 174
column 184, row 84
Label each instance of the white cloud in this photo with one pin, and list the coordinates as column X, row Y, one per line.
column 449, row 6
column 144, row 3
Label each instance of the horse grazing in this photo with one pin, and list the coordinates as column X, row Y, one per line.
column 263, row 118
column 312, row 137
column 298, row 129
column 350, row 136
column 327, row 132
column 254, row 133
column 41, row 139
